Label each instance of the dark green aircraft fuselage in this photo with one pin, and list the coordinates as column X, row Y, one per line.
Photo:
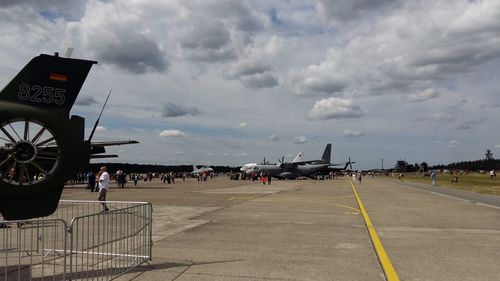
column 41, row 146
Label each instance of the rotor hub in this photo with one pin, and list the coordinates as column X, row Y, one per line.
column 24, row 152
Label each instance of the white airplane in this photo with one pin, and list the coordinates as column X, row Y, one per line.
column 202, row 170
column 267, row 169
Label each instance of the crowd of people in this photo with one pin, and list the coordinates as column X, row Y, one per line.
column 121, row 178
column 91, row 179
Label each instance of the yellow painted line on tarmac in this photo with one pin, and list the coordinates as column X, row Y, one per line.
column 385, row 262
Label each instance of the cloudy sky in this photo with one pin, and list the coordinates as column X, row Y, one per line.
column 225, row 82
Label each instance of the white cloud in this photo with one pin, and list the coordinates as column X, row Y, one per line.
column 441, row 116
column 247, row 68
column 100, row 129
column 259, row 80
column 437, row 117
column 256, row 68
column 243, row 125
column 315, row 80
column 423, row 96
column 378, row 56
column 173, row 134
column 452, row 144
column 300, row 139
column 274, row 137
column 121, row 40
column 217, row 30
column 340, row 11
column 353, row 133
column 335, row 108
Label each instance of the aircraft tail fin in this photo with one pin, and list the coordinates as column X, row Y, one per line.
column 299, row 157
column 327, row 154
column 195, row 168
column 49, row 82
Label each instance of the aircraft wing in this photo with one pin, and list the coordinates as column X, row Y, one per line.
column 98, row 148
column 309, row 162
column 103, row 156
column 110, row 143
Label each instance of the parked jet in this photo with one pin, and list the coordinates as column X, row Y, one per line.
column 202, row 170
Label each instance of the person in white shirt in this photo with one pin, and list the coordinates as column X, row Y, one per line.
column 103, row 187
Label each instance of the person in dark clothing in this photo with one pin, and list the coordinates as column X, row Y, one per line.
column 122, row 179
column 136, row 178
column 91, row 181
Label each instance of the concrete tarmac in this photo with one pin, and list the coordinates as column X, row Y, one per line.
column 310, row 230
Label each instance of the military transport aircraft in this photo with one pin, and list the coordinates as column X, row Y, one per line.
column 297, row 168
column 265, row 168
column 41, row 145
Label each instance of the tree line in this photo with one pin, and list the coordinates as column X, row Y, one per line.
column 150, row 168
column 486, row 164
column 475, row 165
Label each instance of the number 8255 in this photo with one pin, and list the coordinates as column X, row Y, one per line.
column 37, row 93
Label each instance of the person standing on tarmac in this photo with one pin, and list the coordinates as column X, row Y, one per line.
column 103, row 187
column 91, row 181
column 433, row 178
column 136, row 178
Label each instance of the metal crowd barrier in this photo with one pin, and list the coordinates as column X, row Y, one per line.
column 77, row 242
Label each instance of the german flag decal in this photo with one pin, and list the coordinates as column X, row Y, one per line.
column 58, row 76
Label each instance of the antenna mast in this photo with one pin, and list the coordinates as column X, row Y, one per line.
column 98, row 118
